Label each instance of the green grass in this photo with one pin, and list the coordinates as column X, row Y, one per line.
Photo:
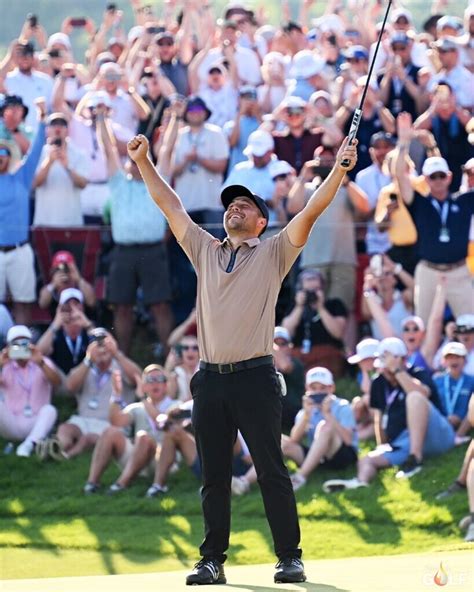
column 49, row 528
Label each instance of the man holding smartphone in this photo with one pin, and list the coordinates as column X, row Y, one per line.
column 324, row 433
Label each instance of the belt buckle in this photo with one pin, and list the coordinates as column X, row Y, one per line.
column 225, row 368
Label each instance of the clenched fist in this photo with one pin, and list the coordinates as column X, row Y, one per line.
column 137, row 148
column 347, row 153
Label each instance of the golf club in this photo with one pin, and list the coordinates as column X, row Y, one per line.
column 358, row 112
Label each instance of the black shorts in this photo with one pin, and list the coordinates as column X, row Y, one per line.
column 344, row 457
column 139, row 265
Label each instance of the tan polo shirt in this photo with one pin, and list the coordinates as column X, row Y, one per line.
column 236, row 304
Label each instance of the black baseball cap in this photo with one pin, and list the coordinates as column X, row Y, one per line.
column 382, row 137
column 233, row 191
column 26, row 48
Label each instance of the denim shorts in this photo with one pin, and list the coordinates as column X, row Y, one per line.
column 439, row 438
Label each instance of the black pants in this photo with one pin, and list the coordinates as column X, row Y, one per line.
column 249, row 401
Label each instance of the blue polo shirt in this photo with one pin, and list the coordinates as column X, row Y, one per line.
column 427, row 219
column 15, row 191
column 454, row 394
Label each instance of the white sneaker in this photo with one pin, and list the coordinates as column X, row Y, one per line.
column 25, row 449
column 298, row 481
column 469, row 538
column 239, row 485
column 342, row 484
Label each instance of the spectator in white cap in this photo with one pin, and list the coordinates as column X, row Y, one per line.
column 220, row 92
column 66, row 339
column 455, row 388
column 283, row 175
column 306, row 73
column 465, row 334
column 26, row 381
column 408, row 422
column 364, row 357
column 324, row 433
column 293, row 373
column 442, row 225
column 254, row 173
column 296, row 144
column 452, row 72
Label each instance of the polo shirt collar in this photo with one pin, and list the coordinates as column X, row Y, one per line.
column 250, row 242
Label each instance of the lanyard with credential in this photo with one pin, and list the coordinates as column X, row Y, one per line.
column 443, row 214
column 452, row 400
column 390, row 398
column 74, row 348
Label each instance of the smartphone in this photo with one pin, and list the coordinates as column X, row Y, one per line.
column 78, row 22
column 54, row 53
column 58, row 142
column 153, row 30
column 332, row 40
column 376, row 265
column 32, row 20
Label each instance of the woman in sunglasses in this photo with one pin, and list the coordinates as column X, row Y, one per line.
column 182, row 363
column 135, row 452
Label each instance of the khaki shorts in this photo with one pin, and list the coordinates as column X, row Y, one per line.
column 17, row 273
column 147, row 471
column 89, row 425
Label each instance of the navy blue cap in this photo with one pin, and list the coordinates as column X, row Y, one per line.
column 232, row 191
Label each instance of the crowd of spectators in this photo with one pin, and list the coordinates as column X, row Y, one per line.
column 386, row 275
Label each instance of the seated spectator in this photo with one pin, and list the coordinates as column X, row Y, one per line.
column 64, row 274
column 26, row 382
column 306, row 75
column 13, row 130
column 324, row 432
column 366, row 352
column 420, row 346
column 293, row 372
column 447, row 122
column 17, row 273
column 331, row 246
column 442, row 226
column 6, row 323
column 464, row 333
column 91, row 383
column 66, row 339
column 178, row 437
column 132, row 439
column 455, row 388
column 317, row 325
column 182, row 363
column 140, row 257
column 296, row 144
column 238, row 129
column 408, row 422
column 61, row 175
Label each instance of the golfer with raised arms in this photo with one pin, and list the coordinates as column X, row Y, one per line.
column 237, row 387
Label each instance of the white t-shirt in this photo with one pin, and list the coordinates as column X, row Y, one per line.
column 30, row 88
column 123, row 112
column 248, row 65
column 58, row 200
column 460, row 80
column 198, row 188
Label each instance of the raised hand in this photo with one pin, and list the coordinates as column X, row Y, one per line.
column 137, row 148
column 404, row 128
column 347, row 154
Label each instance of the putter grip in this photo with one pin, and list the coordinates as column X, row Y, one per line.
column 353, row 132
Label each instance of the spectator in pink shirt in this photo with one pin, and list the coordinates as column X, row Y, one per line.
column 26, row 382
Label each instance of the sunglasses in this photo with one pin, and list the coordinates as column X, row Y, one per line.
column 149, row 379
column 399, row 47
column 249, row 96
column 294, row 111
column 215, row 71
column 163, row 43
column 410, row 329
column 281, row 177
column 190, row 348
column 437, row 176
column 356, row 60
column 445, row 50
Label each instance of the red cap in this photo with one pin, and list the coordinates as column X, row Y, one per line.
column 62, row 257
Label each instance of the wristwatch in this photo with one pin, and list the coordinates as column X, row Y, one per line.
column 87, row 362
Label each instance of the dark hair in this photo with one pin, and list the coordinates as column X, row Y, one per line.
column 292, row 26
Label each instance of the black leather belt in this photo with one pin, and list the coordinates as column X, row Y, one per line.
column 8, row 248
column 236, row 366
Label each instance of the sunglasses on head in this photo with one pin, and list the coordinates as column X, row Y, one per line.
column 190, row 348
column 294, row 111
column 281, row 177
column 437, row 176
column 151, row 379
column 410, row 329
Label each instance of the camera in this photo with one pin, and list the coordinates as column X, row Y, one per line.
column 393, row 197
column 19, row 351
column 78, row 22
column 32, row 20
column 111, row 7
column 58, row 142
column 311, row 297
